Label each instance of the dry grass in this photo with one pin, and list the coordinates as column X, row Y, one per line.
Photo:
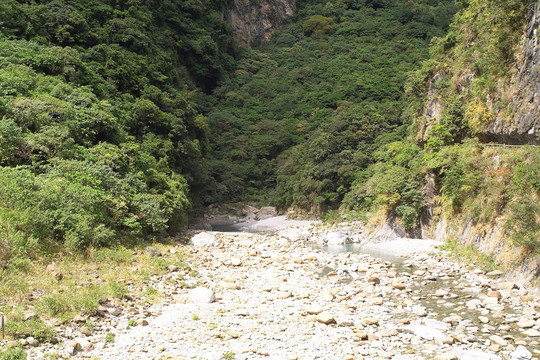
column 87, row 280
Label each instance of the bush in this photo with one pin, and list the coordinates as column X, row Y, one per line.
column 16, row 353
column 318, row 25
column 34, row 327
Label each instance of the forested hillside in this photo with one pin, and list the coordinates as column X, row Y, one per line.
column 121, row 117
column 304, row 115
column 100, row 138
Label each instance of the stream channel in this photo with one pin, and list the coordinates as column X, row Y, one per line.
column 446, row 293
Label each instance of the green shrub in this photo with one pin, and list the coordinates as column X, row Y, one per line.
column 118, row 290
column 54, row 305
column 34, row 327
column 109, row 337
column 524, row 224
column 318, row 25
column 16, row 353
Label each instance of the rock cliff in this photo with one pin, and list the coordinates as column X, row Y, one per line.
column 254, row 21
column 508, row 114
column 467, row 94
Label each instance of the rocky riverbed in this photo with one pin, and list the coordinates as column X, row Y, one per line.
column 274, row 296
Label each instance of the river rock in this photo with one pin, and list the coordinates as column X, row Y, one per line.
column 221, row 220
column 532, row 333
column 521, row 353
column 142, row 322
column 435, row 324
column 75, row 345
column 426, row 332
column 327, row 295
column 152, row 251
column 85, row 344
column 325, row 318
column 335, row 238
column 114, row 311
column 483, row 319
column 314, row 309
column 441, row 293
column 498, row 340
column 30, row 341
column 447, row 356
column 526, row 323
column 371, row 321
column 55, row 271
column 248, row 209
column 398, row 286
column 475, row 355
column 490, row 301
column 86, row 331
column 419, row 310
column 203, row 239
column 506, row 285
column 495, row 273
column 236, row 261
column 294, row 234
column 201, row 295
column 473, row 304
column 266, row 212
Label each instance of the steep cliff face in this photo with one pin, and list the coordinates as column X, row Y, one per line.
column 524, row 89
column 481, row 93
column 501, row 107
column 254, row 21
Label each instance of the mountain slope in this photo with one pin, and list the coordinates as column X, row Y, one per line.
column 474, row 106
column 99, row 136
column 304, row 112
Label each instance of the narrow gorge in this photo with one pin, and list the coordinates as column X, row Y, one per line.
column 372, row 166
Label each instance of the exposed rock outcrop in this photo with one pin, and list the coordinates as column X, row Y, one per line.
column 254, row 21
column 524, row 125
column 510, row 114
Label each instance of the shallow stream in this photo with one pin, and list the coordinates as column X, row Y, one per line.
column 477, row 324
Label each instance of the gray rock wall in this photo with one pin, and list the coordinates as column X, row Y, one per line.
column 254, row 21
column 514, row 107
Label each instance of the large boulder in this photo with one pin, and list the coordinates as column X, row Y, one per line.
column 201, row 295
column 204, row 239
column 335, row 238
column 521, row 353
column 221, row 220
column 294, row 234
column 475, row 355
column 266, row 212
column 426, row 332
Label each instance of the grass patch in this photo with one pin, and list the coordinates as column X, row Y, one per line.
column 468, row 254
column 35, row 327
column 16, row 353
column 109, row 337
column 89, row 279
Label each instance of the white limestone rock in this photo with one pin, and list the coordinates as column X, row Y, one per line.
column 203, row 239
column 201, row 295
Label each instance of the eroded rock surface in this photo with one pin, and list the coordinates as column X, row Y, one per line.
column 255, row 21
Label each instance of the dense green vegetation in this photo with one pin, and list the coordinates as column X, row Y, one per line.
column 119, row 117
column 99, row 134
column 476, row 185
column 304, row 116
